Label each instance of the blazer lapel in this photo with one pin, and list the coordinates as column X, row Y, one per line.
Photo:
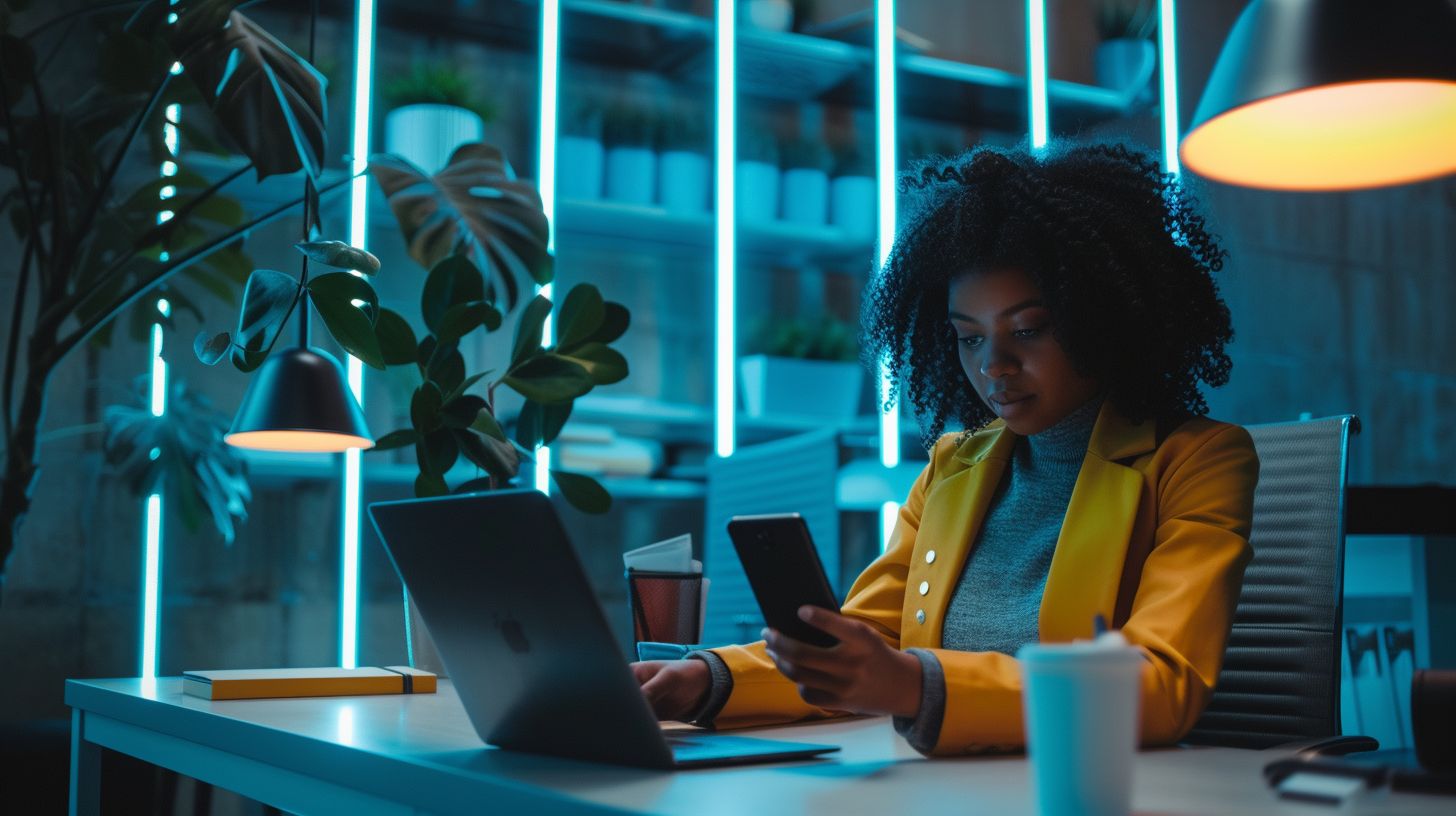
column 952, row 519
column 1087, row 565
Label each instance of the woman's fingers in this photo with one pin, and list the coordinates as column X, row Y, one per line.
column 833, row 623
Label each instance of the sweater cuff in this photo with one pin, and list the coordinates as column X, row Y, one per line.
column 718, row 693
column 923, row 730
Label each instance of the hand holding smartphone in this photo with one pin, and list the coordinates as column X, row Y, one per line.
column 784, row 571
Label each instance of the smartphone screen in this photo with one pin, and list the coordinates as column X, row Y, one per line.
column 784, row 571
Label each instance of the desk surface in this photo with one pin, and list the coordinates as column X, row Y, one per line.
column 418, row 753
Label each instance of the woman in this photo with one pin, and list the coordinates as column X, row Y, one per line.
column 1060, row 307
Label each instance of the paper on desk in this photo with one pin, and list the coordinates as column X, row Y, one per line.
column 672, row 555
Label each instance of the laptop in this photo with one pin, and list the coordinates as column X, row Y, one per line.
column 520, row 632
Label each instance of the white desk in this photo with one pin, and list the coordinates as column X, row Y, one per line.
column 399, row 754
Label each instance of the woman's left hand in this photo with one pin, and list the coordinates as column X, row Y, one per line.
column 862, row 674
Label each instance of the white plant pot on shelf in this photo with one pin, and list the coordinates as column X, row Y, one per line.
column 806, row 196
column 683, row 181
column 631, row 175
column 786, row 386
column 579, row 165
column 852, row 205
column 758, row 191
column 426, row 134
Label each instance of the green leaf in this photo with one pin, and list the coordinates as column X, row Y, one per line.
column 486, row 423
column 492, row 455
column 582, row 492
column 452, row 281
column 211, row 350
column 581, row 315
column 465, row 384
column 553, row 419
column 462, row 318
column 550, row 378
column 429, row 484
column 396, row 439
column 448, row 369
column 268, row 99
column 615, row 320
column 425, row 407
column 396, row 339
column 267, row 300
column 475, row 202
column 351, row 327
column 461, row 412
column 604, row 365
column 340, row 256
column 344, row 288
column 528, row 330
column 528, row 425
column 17, row 63
column 438, row 452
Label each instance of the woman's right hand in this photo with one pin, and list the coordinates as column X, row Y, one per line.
column 674, row 688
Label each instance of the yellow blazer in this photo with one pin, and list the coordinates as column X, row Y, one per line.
column 1155, row 539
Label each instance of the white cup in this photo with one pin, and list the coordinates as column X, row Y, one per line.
column 1081, row 707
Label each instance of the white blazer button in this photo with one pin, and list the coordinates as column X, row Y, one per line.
column 930, row 556
column 920, row 616
column 924, row 587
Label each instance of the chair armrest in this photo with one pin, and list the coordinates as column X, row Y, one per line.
column 1329, row 746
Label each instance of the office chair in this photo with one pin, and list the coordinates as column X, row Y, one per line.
column 1280, row 682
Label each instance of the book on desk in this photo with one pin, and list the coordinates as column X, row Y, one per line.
column 333, row 681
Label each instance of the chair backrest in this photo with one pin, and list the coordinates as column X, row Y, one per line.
column 792, row 475
column 1281, row 672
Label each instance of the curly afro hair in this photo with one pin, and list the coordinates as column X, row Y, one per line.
column 1117, row 248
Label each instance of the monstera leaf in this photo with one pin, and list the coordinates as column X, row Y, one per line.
column 182, row 454
column 474, row 207
column 268, row 99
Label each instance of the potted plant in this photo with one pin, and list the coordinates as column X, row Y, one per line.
column 684, row 164
column 433, row 109
column 1126, row 58
column 579, row 152
column 852, row 193
column 806, row 368
column 629, row 134
column 805, row 181
column 757, row 181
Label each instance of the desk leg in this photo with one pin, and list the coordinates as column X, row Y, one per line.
column 85, row 769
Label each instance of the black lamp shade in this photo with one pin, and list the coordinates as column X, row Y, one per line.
column 299, row 401
column 1330, row 95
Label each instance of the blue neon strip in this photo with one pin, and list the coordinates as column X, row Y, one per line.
column 886, row 106
column 1037, row 71
column 550, row 68
column 359, row 237
column 726, row 163
column 151, row 585
column 1168, row 53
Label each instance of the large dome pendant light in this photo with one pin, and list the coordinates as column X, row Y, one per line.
column 298, row 399
column 1330, row 95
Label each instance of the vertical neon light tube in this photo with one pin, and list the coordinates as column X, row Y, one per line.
column 726, row 163
column 550, row 66
column 359, row 237
column 1037, row 71
column 885, row 114
column 1168, row 54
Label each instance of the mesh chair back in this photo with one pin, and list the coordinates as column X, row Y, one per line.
column 1281, row 673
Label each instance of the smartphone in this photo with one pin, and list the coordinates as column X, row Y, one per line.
column 785, row 572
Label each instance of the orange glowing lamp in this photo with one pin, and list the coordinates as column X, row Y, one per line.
column 298, row 401
column 1330, row 95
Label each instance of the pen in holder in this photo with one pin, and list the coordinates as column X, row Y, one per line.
column 666, row 606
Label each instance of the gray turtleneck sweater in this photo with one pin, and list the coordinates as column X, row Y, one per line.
column 998, row 598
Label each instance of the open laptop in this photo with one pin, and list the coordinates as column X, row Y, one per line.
column 521, row 635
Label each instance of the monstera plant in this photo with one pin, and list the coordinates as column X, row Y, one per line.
column 483, row 237
column 99, row 232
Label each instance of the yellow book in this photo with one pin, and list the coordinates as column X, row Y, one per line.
column 252, row 684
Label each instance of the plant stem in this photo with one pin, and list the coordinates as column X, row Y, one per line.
column 20, row 175
column 121, row 150
column 17, row 312
column 52, row 276
column 70, row 341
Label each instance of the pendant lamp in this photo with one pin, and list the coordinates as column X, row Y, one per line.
column 298, row 401
column 1330, row 95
